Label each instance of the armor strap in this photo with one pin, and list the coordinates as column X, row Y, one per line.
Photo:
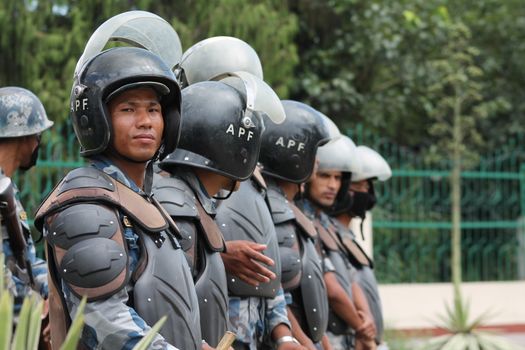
column 212, row 233
column 303, row 222
column 143, row 212
column 327, row 237
column 257, row 176
column 356, row 251
column 58, row 319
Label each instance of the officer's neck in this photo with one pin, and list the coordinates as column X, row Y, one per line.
column 9, row 156
column 290, row 189
column 213, row 182
column 344, row 219
column 133, row 170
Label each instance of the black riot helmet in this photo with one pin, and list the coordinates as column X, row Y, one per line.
column 109, row 73
column 340, row 155
column 218, row 132
column 288, row 150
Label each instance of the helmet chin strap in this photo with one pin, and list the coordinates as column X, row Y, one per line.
column 230, row 191
column 148, row 178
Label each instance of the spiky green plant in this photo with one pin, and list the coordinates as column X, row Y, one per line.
column 464, row 334
column 27, row 332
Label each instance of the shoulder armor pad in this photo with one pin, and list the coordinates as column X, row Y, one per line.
column 280, row 207
column 85, row 177
column 305, row 224
column 212, row 232
column 91, row 187
column 327, row 237
column 356, row 253
column 88, row 249
column 175, row 196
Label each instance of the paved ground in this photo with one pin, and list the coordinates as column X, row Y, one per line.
column 517, row 338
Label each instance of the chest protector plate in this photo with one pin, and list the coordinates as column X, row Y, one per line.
column 163, row 284
column 202, row 242
column 310, row 305
column 289, row 249
column 245, row 216
column 337, row 255
column 367, row 281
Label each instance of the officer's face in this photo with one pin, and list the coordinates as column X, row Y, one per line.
column 136, row 116
column 324, row 187
column 28, row 151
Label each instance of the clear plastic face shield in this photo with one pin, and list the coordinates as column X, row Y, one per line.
column 373, row 166
column 340, row 155
column 260, row 97
column 333, row 130
column 137, row 28
column 214, row 56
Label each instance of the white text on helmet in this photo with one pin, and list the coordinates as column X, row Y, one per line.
column 84, row 104
column 241, row 132
column 289, row 144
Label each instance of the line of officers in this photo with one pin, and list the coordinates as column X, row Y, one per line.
column 206, row 199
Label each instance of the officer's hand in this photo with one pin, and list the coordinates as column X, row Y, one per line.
column 367, row 330
column 244, row 260
column 205, row 346
column 291, row 346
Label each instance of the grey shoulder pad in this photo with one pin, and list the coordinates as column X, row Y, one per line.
column 85, row 177
column 281, row 211
column 89, row 249
column 175, row 196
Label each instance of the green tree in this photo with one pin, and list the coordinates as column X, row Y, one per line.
column 366, row 61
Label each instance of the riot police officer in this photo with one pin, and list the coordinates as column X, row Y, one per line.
column 22, row 121
column 106, row 237
column 349, row 308
column 359, row 199
column 288, row 159
column 198, row 169
column 250, row 272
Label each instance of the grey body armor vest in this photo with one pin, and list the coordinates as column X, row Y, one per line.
column 202, row 243
column 302, row 272
column 336, row 253
column 365, row 276
column 245, row 216
column 84, row 217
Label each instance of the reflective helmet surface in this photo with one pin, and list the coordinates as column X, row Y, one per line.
column 340, row 155
column 218, row 132
column 214, row 56
column 288, row 150
column 374, row 166
column 112, row 70
column 21, row 113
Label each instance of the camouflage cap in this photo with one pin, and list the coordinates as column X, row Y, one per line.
column 21, row 113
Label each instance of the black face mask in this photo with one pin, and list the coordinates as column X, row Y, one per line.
column 363, row 201
column 32, row 161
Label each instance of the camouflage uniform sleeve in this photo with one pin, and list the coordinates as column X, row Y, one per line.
column 39, row 268
column 244, row 319
column 276, row 311
column 111, row 324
